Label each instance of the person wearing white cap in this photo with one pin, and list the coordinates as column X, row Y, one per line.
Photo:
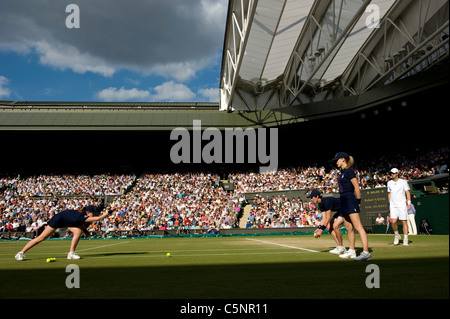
column 399, row 203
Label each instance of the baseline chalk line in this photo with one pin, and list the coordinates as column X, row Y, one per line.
column 287, row 246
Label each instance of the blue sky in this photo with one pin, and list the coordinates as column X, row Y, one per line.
column 139, row 50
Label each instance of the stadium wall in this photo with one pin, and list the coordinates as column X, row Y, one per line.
column 435, row 209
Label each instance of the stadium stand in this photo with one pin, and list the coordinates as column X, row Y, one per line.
column 192, row 202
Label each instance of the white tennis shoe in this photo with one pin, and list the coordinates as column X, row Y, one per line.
column 338, row 250
column 364, row 256
column 20, row 256
column 348, row 254
column 73, row 255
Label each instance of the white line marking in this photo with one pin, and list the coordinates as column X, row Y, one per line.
column 268, row 242
column 124, row 242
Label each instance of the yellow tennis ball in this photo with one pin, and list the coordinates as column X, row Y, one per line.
column 48, row 260
column 168, row 254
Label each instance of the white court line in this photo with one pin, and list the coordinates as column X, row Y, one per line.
column 46, row 253
column 124, row 242
column 268, row 242
column 161, row 254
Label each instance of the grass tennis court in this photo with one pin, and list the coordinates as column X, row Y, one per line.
column 250, row 267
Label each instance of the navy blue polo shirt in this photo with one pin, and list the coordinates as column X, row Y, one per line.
column 330, row 203
column 68, row 218
column 344, row 180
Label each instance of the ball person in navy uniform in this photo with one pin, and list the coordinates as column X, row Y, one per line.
column 73, row 220
column 331, row 223
column 350, row 200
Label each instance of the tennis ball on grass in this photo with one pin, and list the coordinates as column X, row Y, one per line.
column 168, row 254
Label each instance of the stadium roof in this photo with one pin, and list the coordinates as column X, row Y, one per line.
column 285, row 61
column 29, row 115
column 291, row 53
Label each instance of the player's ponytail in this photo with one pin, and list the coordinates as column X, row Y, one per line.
column 350, row 162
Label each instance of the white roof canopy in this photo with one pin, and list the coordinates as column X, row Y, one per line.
column 281, row 53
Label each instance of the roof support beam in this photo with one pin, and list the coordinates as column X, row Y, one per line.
column 318, row 45
column 241, row 14
column 412, row 37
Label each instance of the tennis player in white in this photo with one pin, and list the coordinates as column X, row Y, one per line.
column 399, row 196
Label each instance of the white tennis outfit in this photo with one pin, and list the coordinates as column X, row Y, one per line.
column 398, row 205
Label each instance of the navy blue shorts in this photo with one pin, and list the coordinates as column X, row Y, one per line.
column 349, row 205
column 337, row 214
column 56, row 221
column 67, row 218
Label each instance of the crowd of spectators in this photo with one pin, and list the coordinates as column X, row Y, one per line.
column 283, row 179
column 371, row 173
column 192, row 202
column 280, row 211
column 27, row 203
column 63, row 185
column 27, row 214
column 187, row 203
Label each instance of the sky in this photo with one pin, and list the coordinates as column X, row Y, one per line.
column 111, row 50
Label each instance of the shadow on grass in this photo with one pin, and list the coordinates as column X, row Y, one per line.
column 342, row 279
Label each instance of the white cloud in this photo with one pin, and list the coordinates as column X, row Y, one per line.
column 113, row 94
column 213, row 11
column 211, row 94
column 68, row 57
column 171, row 92
column 4, row 91
column 174, row 39
column 167, row 92
column 179, row 71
